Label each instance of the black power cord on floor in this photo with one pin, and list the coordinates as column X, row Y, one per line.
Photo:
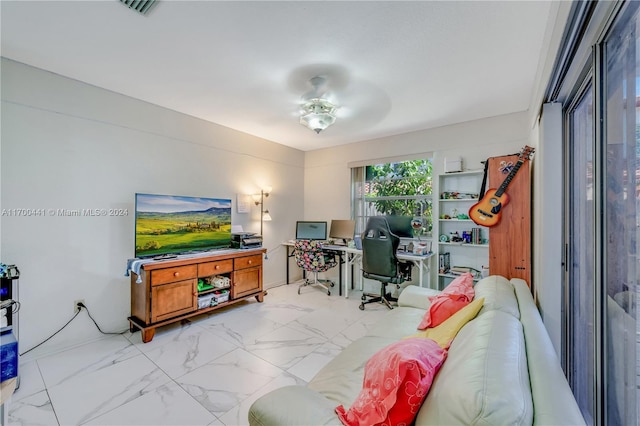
column 81, row 306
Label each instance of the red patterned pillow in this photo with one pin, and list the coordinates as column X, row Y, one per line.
column 458, row 294
column 397, row 379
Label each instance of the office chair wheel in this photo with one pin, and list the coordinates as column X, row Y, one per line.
column 361, row 306
column 328, row 293
column 363, row 297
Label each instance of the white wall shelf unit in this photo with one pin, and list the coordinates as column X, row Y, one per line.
column 457, row 193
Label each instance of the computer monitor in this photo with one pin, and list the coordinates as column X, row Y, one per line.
column 307, row 230
column 400, row 225
column 342, row 229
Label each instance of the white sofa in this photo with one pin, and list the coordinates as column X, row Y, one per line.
column 501, row 368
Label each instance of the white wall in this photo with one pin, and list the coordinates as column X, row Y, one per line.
column 547, row 219
column 327, row 175
column 68, row 145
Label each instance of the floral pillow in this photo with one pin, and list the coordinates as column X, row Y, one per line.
column 458, row 294
column 396, row 381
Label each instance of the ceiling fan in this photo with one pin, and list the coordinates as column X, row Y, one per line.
column 317, row 112
column 331, row 93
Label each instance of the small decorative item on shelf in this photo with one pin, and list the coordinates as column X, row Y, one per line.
column 220, row 281
column 202, row 286
column 456, row 238
column 417, row 226
column 453, row 195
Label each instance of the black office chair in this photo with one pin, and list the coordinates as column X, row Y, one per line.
column 379, row 260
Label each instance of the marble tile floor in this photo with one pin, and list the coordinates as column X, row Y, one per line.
column 205, row 372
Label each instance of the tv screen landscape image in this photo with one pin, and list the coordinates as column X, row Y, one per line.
column 168, row 225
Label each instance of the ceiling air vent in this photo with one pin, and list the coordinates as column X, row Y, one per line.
column 141, row 6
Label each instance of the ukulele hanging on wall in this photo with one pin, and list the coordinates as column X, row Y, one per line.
column 488, row 211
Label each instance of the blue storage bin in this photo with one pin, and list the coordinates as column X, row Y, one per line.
column 8, row 354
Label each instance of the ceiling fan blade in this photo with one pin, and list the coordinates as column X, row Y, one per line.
column 362, row 103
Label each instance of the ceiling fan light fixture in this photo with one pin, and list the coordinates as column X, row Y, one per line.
column 318, row 114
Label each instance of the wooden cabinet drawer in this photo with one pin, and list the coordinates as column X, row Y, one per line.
column 215, row 268
column 248, row 261
column 169, row 275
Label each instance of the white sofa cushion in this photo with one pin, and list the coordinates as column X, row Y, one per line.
column 293, row 405
column 416, row 297
column 341, row 379
column 397, row 323
column 498, row 294
column 470, row 387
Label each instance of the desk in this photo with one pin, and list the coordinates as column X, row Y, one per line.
column 348, row 255
column 351, row 255
column 419, row 262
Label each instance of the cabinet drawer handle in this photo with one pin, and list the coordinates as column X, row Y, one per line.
column 175, row 274
column 217, row 267
column 250, row 262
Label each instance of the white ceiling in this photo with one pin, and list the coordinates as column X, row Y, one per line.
column 393, row 66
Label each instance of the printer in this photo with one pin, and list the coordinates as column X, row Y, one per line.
column 246, row 240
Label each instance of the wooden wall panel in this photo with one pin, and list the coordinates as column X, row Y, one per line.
column 510, row 239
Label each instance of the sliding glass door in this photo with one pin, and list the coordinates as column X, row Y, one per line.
column 580, row 288
column 621, row 199
column 602, row 228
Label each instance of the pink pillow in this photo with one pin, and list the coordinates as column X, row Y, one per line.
column 458, row 294
column 397, row 379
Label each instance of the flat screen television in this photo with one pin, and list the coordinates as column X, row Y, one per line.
column 171, row 225
column 307, row 230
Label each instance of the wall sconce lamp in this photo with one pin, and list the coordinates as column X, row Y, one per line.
column 259, row 200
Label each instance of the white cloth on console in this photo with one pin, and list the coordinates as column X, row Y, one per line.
column 134, row 266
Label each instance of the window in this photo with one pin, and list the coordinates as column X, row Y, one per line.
column 398, row 188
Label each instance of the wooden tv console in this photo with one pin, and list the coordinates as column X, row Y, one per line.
column 169, row 289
